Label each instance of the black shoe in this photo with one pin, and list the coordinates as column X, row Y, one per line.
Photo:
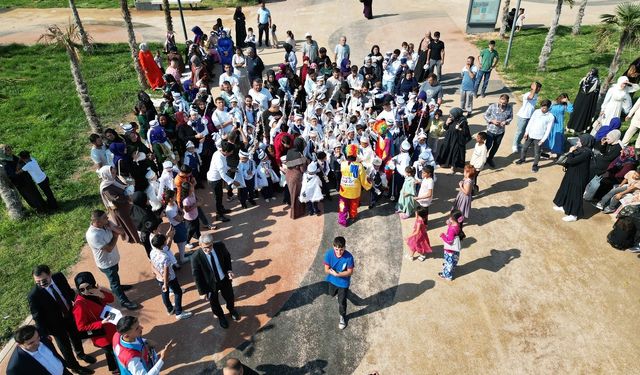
column 126, row 287
column 519, row 161
column 81, row 370
column 226, row 210
column 223, row 322
column 535, row 169
column 243, row 205
column 222, row 218
column 371, row 206
column 252, row 202
column 87, row 358
column 491, row 163
column 130, row 305
column 235, row 316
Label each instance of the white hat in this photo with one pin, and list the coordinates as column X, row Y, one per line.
column 167, row 164
column 405, row 146
column 297, row 116
column 424, row 155
column 261, row 154
column 351, row 129
column 190, row 144
column 313, row 133
column 364, row 139
column 141, row 156
column 193, row 112
column 399, row 100
column 175, row 94
column 153, row 123
column 308, row 34
column 336, row 144
column 312, row 168
column 233, row 99
column 377, row 161
column 243, row 154
column 623, row 79
column 126, row 127
column 422, row 135
column 150, row 174
column 275, row 101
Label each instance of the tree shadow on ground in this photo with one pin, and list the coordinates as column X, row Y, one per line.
column 494, row 262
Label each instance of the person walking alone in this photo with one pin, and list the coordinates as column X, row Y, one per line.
column 338, row 265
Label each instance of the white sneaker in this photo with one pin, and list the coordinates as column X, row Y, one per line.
column 184, row 315
column 599, row 206
column 190, row 245
column 570, row 218
column 558, row 208
column 342, row 324
column 514, row 149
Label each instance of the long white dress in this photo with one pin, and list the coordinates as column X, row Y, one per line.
column 614, row 102
column 240, row 68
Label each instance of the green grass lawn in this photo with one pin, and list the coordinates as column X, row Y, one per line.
column 40, row 112
column 111, row 3
column 570, row 60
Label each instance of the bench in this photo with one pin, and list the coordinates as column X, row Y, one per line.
column 191, row 3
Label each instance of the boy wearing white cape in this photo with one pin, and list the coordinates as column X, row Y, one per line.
column 311, row 192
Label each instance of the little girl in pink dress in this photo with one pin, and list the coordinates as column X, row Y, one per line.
column 418, row 241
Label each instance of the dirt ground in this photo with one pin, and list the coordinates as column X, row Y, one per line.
column 533, row 294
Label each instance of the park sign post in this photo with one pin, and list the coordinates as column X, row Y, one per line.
column 482, row 16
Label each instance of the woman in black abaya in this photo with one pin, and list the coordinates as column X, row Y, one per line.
column 586, row 101
column 452, row 151
column 423, row 47
column 368, row 8
column 241, row 31
column 575, row 180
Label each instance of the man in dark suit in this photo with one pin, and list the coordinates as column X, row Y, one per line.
column 34, row 356
column 211, row 267
column 51, row 305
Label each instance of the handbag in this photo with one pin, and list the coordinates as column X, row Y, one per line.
column 592, row 188
column 454, row 246
column 562, row 159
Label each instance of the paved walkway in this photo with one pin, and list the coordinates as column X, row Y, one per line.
column 529, row 286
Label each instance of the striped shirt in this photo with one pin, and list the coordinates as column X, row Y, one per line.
column 494, row 112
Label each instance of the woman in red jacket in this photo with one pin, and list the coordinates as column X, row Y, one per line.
column 87, row 307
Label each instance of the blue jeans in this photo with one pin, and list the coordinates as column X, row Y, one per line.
column 174, row 286
column 609, row 200
column 114, row 283
column 486, row 74
column 522, row 125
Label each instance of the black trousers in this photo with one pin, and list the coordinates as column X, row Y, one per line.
column 247, row 192
column 493, row 143
column 112, row 365
column 226, row 289
column 342, row 298
column 69, row 342
column 193, row 229
column 216, row 186
column 263, row 28
column 52, row 203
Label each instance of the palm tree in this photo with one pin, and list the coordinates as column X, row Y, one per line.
column 626, row 22
column 133, row 45
column 68, row 39
column 505, row 13
column 167, row 15
column 10, row 196
column 576, row 26
column 84, row 37
column 551, row 35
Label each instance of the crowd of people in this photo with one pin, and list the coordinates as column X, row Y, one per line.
column 306, row 132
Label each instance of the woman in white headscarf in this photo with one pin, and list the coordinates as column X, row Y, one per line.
column 117, row 202
column 618, row 98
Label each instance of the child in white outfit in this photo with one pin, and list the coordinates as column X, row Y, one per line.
column 311, row 192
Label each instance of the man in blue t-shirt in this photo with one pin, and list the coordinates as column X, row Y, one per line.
column 264, row 24
column 338, row 265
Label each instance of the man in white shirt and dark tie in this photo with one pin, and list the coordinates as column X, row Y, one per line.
column 211, row 268
column 34, row 356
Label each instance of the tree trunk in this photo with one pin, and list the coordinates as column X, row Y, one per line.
column 167, row 15
column 505, row 13
column 615, row 63
column 10, row 197
column 86, row 45
column 548, row 42
column 576, row 26
column 83, row 93
column 133, row 45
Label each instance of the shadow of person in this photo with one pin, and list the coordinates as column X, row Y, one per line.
column 251, row 287
column 494, row 262
column 388, row 297
column 485, row 215
column 315, row 367
column 513, row 184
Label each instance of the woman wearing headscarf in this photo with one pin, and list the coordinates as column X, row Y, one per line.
column 22, row 181
column 423, row 47
column 271, row 83
column 457, row 134
column 115, row 199
column 376, row 60
column 555, row 142
column 290, row 56
column 90, row 301
column 241, row 31
column 296, row 165
column 150, row 68
column 614, row 124
column 618, row 98
column 569, row 195
column 616, row 171
column 585, row 105
column 145, row 220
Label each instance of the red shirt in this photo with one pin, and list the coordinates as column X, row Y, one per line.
column 87, row 316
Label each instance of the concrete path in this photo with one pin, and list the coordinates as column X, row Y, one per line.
column 532, row 295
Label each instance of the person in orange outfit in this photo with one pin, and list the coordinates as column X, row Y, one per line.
column 354, row 179
column 150, row 68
